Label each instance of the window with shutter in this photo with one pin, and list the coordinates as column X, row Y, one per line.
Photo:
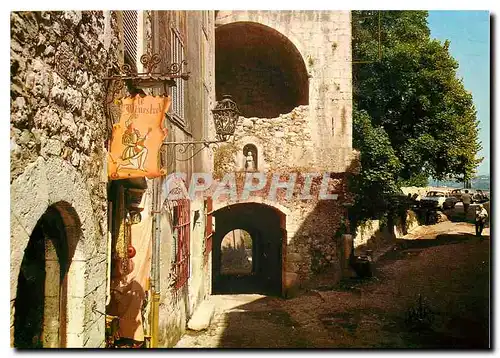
column 208, row 229
column 177, row 56
column 130, row 28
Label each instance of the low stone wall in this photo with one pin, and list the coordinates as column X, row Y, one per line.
column 374, row 235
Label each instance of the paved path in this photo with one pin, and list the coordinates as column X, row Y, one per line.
column 444, row 263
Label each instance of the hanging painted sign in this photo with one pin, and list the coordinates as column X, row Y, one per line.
column 137, row 138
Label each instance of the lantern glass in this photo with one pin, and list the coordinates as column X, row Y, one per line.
column 226, row 115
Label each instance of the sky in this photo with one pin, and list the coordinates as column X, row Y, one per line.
column 469, row 35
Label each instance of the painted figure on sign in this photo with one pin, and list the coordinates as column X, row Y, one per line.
column 135, row 153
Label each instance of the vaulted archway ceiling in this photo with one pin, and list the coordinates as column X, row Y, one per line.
column 260, row 68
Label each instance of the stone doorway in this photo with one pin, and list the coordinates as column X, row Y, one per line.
column 40, row 315
column 253, row 261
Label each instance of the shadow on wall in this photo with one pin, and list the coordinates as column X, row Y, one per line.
column 264, row 83
column 61, row 226
column 379, row 236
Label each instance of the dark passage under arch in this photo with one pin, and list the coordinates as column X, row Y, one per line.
column 29, row 305
column 263, row 224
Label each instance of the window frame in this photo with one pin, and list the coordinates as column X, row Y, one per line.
column 127, row 34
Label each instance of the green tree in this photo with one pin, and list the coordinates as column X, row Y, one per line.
column 376, row 184
column 409, row 86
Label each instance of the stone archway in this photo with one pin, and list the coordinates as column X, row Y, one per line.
column 261, row 68
column 56, row 186
column 41, row 295
column 265, row 225
column 237, row 248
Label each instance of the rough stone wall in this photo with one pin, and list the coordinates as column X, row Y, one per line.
column 316, row 137
column 284, row 145
column 58, row 60
column 314, row 226
column 281, row 142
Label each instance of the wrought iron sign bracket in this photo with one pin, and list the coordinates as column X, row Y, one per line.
column 197, row 146
column 120, row 77
column 226, row 115
column 124, row 76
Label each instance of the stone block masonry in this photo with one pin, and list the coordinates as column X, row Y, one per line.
column 313, row 137
column 58, row 131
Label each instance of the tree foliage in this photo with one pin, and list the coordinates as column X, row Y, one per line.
column 413, row 93
column 376, row 183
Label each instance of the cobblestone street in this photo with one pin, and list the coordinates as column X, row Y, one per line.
column 447, row 265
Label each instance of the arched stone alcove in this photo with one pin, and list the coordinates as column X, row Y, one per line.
column 261, row 68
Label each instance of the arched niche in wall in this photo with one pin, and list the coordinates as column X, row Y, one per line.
column 256, row 147
column 261, row 68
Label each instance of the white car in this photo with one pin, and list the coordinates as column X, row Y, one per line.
column 438, row 199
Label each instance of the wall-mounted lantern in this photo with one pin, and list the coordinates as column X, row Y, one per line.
column 226, row 115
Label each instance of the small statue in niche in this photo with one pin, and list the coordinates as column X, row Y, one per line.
column 249, row 162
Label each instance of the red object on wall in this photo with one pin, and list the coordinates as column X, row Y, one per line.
column 182, row 226
column 131, row 251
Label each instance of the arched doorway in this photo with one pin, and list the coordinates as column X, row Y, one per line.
column 261, row 68
column 54, row 184
column 261, row 238
column 40, row 316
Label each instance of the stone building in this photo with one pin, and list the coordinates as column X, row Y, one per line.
column 70, row 224
column 86, row 247
column 58, row 176
column 290, row 74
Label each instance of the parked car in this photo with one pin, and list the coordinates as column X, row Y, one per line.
column 480, row 196
column 438, row 200
column 477, row 195
column 457, row 193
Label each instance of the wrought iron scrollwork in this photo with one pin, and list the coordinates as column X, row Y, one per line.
column 150, row 63
column 121, row 77
column 187, row 150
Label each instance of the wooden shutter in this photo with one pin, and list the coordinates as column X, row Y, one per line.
column 130, row 27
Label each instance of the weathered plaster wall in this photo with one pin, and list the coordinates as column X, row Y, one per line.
column 58, row 130
column 177, row 305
